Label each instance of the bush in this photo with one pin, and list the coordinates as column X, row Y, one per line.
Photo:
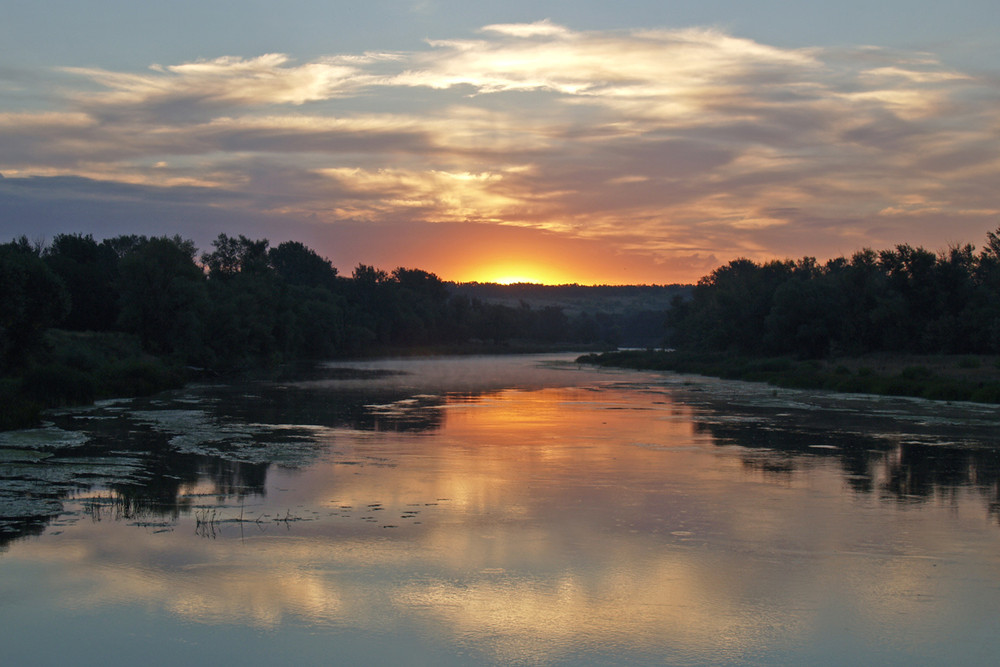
column 856, row 385
column 775, row 365
column 16, row 411
column 916, row 373
column 138, row 377
column 969, row 362
column 56, row 384
column 78, row 357
column 947, row 391
column 987, row 393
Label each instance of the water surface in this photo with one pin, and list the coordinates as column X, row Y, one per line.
column 506, row 510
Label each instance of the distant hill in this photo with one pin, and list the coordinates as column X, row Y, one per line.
column 576, row 299
column 618, row 315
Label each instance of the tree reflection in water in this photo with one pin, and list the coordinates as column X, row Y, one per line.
column 610, row 517
column 167, row 496
column 154, row 457
column 890, row 467
column 149, row 475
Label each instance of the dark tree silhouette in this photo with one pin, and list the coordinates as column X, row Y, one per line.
column 903, row 299
column 32, row 298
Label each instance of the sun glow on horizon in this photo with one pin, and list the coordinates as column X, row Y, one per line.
column 511, row 274
column 516, row 280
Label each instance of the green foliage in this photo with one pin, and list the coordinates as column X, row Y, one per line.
column 729, row 307
column 916, row 373
column 298, row 265
column 901, row 300
column 157, row 309
column 249, row 304
column 32, row 299
column 163, row 296
column 237, row 256
column 56, row 384
column 137, row 309
column 138, row 377
column 16, row 409
column 78, row 368
column 89, row 271
column 969, row 362
column 988, row 392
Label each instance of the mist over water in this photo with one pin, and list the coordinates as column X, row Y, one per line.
column 506, row 510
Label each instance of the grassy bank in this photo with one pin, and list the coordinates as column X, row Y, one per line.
column 939, row 377
column 78, row 369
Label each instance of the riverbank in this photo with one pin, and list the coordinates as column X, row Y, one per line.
column 939, row 377
column 78, row 368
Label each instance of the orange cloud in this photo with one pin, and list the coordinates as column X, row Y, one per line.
column 670, row 148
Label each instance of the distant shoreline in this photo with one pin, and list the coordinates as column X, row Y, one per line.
column 974, row 378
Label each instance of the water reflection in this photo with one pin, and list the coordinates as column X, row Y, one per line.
column 891, row 467
column 578, row 516
column 142, row 472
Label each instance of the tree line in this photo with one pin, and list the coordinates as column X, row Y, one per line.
column 903, row 299
column 245, row 302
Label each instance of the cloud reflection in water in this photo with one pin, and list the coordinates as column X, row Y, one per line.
column 609, row 522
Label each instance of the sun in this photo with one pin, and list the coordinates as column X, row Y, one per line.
column 513, row 280
column 509, row 273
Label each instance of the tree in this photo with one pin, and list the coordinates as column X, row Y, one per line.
column 417, row 305
column 89, row 272
column 729, row 307
column 163, row 297
column 984, row 309
column 234, row 256
column 299, row 265
column 804, row 317
column 32, row 299
column 369, row 298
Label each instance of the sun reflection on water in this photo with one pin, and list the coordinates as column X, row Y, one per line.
column 543, row 525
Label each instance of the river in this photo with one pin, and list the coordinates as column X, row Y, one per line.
column 513, row 510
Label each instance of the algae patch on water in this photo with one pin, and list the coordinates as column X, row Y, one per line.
column 198, row 432
column 47, row 438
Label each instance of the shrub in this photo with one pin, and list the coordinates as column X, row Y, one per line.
column 16, row 411
column 916, row 373
column 138, row 377
column 774, row 365
column 947, row 391
column 78, row 357
column 56, row 384
column 987, row 393
column 969, row 362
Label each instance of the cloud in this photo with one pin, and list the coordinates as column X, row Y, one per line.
column 166, row 91
column 684, row 143
column 537, row 29
column 611, row 66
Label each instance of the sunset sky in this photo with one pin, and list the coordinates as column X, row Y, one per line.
column 554, row 141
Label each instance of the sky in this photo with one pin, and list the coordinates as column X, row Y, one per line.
column 549, row 141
